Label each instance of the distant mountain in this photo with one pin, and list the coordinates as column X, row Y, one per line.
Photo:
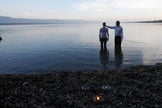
column 9, row 20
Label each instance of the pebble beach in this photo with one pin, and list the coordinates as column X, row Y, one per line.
column 133, row 87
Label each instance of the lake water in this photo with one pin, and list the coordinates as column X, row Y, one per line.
column 46, row 48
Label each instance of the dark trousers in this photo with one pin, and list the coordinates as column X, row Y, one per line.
column 103, row 43
column 118, row 41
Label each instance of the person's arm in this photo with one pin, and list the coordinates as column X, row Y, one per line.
column 107, row 34
column 100, row 33
column 111, row 27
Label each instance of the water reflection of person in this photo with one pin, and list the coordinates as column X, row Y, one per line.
column 118, row 56
column 104, row 57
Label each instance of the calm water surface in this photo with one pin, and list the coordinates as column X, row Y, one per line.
column 46, row 48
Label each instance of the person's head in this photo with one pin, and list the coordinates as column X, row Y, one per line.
column 118, row 23
column 104, row 24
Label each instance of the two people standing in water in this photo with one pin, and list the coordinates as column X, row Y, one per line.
column 104, row 35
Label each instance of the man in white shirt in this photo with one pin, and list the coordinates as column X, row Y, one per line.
column 118, row 33
column 103, row 36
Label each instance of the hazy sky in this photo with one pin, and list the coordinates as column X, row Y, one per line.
column 83, row 9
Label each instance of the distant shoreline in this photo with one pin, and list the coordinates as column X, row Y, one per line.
column 155, row 21
column 72, row 23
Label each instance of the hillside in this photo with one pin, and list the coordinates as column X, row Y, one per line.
column 9, row 20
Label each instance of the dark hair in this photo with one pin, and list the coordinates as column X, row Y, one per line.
column 104, row 23
column 117, row 22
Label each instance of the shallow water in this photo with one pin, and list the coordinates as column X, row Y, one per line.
column 46, row 48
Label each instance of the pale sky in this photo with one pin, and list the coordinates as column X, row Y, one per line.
column 99, row 10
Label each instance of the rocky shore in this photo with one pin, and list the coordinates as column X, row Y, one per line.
column 134, row 87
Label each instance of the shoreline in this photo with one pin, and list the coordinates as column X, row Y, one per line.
column 137, row 86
